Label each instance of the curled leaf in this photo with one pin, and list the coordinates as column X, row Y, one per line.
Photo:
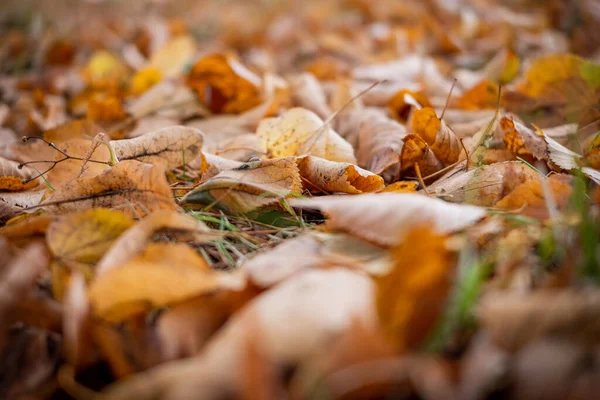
column 442, row 141
column 320, row 174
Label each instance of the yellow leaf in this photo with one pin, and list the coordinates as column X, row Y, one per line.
column 107, row 109
column 482, row 96
column 301, row 132
column 144, row 80
column 105, row 70
column 404, row 102
column 86, row 235
column 412, row 296
column 401, row 187
column 163, row 274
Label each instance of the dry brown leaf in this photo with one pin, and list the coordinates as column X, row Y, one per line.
column 483, row 186
column 515, row 320
column 377, row 139
column 301, row 132
column 224, row 85
column 162, row 274
column 416, row 152
column 411, row 297
column 133, row 241
column 15, row 203
column 250, row 186
column 442, row 140
column 521, row 140
column 168, row 147
column 530, row 198
column 387, row 217
column 136, row 188
column 322, row 175
column 86, row 235
column 286, row 314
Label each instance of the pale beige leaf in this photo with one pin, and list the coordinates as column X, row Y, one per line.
column 308, row 93
column 13, row 178
column 172, row 58
column 386, row 217
column 320, row 174
column 299, row 132
column 136, row 188
column 167, row 147
column 483, row 186
column 252, row 185
column 376, row 137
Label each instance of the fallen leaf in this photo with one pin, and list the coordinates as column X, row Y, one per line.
column 286, row 314
column 405, row 102
column 321, row 174
column 144, row 80
column 164, row 273
column 308, row 93
column 131, row 242
column 13, row 178
column 412, row 296
column 105, row 70
column 484, row 95
column 250, row 186
column 442, row 141
column 401, row 187
column 417, row 154
column 85, row 236
column 224, row 85
column 136, row 188
column 172, row 58
column 301, row 132
column 377, row 139
column 485, row 185
column 530, row 198
column 521, row 140
column 387, row 217
column 168, row 147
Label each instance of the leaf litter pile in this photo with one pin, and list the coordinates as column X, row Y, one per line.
column 342, row 199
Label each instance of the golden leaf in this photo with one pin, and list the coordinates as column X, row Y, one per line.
column 401, row 187
column 521, row 140
column 442, row 140
column 404, row 102
column 482, row 96
column 144, row 80
column 411, row 297
column 224, row 85
column 104, row 70
column 416, row 152
column 107, row 109
column 530, row 198
column 86, row 235
column 163, row 274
